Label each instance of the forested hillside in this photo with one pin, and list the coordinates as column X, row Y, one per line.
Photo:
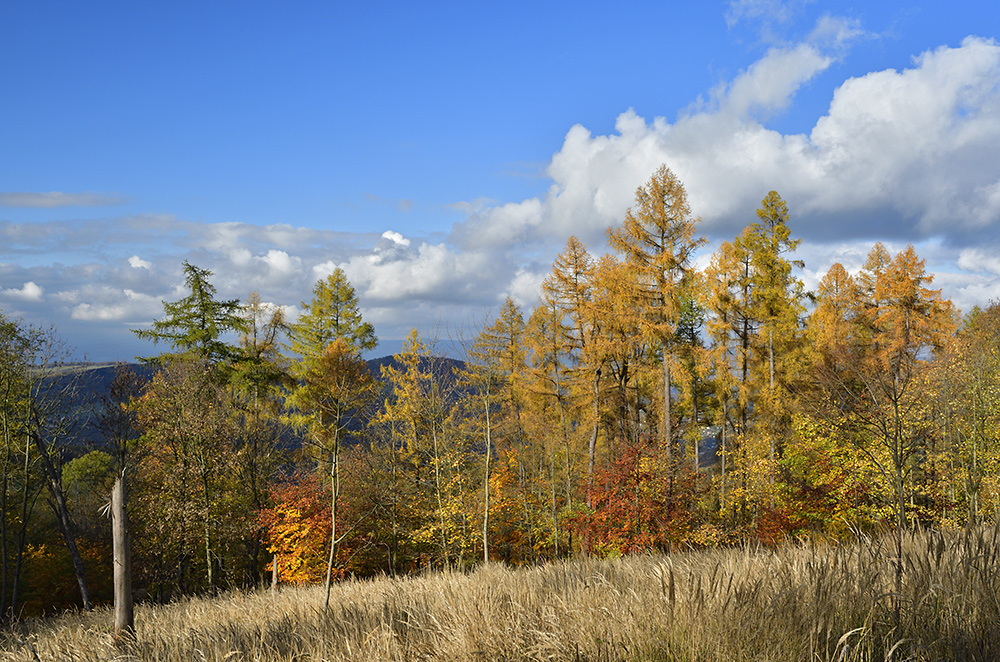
column 576, row 426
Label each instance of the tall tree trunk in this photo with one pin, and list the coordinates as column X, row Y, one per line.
column 394, row 551
column 440, row 499
column 206, row 492
column 592, row 450
column 486, row 484
column 745, row 373
column 770, row 361
column 3, row 531
column 725, row 420
column 65, row 522
column 668, row 432
column 124, row 625
column 334, row 499
column 22, row 534
column 555, row 516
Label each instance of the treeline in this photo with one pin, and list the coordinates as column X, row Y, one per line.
column 575, row 427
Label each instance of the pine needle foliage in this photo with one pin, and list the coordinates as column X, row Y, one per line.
column 197, row 322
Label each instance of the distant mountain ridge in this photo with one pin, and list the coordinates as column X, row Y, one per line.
column 92, row 381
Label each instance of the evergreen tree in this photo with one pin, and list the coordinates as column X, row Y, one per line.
column 197, row 322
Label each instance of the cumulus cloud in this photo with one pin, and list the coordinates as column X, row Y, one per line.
column 899, row 156
column 280, row 262
column 898, row 153
column 525, row 287
column 56, row 199
column 718, row 149
column 428, row 272
column 978, row 259
column 27, row 292
column 117, row 305
column 770, row 83
column 391, row 247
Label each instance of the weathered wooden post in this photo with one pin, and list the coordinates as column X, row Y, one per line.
column 124, row 627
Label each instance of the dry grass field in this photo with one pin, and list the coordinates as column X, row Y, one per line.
column 800, row 602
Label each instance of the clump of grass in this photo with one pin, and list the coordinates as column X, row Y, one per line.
column 806, row 602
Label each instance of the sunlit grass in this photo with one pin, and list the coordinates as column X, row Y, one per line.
column 797, row 603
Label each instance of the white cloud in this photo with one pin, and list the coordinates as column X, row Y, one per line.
column 137, row 262
column 28, row 292
column 978, row 259
column 432, row 271
column 281, row 263
column 836, row 32
column 769, row 84
column 324, row 269
column 967, row 290
column 922, row 140
column 395, row 238
column 898, row 153
column 105, row 304
column 392, row 246
column 97, row 313
column 595, row 177
column 525, row 287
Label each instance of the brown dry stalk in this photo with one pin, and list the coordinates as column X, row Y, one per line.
column 811, row 602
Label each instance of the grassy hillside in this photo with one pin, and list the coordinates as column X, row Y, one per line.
column 796, row 603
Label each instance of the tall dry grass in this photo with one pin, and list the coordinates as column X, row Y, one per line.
column 797, row 603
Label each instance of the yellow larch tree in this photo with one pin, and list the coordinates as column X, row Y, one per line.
column 570, row 289
column 658, row 238
column 755, row 307
column 872, row 393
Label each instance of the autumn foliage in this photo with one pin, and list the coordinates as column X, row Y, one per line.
column 649, row 401
column 297, row 528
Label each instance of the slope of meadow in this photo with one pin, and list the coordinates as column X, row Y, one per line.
column 796, row 603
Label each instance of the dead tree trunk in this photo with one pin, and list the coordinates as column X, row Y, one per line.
column 121, row 549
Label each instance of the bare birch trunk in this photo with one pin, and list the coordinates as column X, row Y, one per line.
column 486, row 485
column 334, row 498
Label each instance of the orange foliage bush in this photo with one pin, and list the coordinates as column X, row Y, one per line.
column 297, row 528
column 636, row 505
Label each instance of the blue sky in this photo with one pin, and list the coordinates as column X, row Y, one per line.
column 443, row 153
